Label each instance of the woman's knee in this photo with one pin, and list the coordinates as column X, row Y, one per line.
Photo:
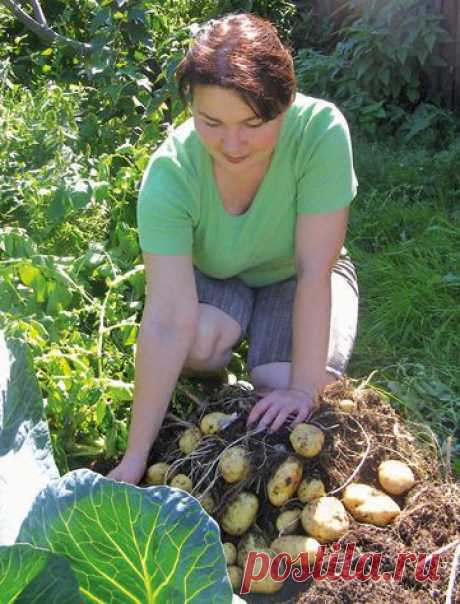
column 215, row 337
column 271, row 376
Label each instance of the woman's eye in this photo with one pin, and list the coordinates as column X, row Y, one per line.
column 211, row 125
column 255, row 125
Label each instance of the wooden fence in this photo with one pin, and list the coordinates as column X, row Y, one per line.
column 445, row 81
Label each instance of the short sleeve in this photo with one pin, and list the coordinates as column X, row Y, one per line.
column 165, row 209
column 326, row 180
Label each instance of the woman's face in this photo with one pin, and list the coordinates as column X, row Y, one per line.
column 230, row 130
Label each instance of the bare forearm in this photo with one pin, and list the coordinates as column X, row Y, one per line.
column 310, row 333
column 161, row 352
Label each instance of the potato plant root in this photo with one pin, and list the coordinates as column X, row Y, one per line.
column 356, row 442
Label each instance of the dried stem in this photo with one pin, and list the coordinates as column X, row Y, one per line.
column 361, row 463
column 38, row 12
column 45, row 33
column 453, row 574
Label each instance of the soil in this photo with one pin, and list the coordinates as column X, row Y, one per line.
column 355, row 445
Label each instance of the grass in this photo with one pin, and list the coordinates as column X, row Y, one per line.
column 405, row 240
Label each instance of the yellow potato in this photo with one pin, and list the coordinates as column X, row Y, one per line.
column 310, row 489
column 369, row 505
column 266, row 585
column 214, row 422
column 234, row 464
column 283, row 484
column 230, row 553
column 355, row 493
column 207, row 502
column 251, row 541
column 156, row 473
column 347, row 405
column 235, row 574
column 294, row 545
column 190, row 439
column 240, row 513
column 307, row 440
column 395, row 476
column 288, row 522
column 325, row 519
column 181, row 481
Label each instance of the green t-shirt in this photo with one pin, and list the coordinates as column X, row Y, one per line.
column 180, row 210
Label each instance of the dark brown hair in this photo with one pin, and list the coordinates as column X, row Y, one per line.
column 241, row 52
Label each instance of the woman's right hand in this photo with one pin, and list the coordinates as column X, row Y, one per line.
column 130, row 469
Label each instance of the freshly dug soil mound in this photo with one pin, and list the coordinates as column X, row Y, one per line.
column 356, row 443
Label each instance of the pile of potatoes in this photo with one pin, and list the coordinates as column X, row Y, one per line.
column 317, row 517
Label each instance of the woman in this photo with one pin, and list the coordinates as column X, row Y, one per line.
column 242, row 217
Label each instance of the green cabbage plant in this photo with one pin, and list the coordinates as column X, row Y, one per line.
column 82, row 537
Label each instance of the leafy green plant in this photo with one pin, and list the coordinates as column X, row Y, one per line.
column 390, row 49
column 380, row 67
column 114, row 541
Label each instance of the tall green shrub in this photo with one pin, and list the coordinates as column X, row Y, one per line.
column 381, row 65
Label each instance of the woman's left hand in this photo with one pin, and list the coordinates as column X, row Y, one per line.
column 274, row 408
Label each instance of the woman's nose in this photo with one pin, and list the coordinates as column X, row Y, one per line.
column 233, row 142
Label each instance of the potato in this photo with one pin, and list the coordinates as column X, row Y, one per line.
column 181, row 481
column 283, row 484
column 190, row 439
column 395, row 476
column 310, row 489
column 234, row 464
column 156, row 473
column 369, row 505
column 325, row 519
column 230, row 553
column 266, row 585
column 295, row 545
column 250, row 542
column 240, row 513
column 307, row 440
column 207, row 502
column 288, row 522
column 235, row 574
column 355, row 493
column 347, row 405
column 214, row 422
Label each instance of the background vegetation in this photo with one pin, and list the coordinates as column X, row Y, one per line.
column 77, row 129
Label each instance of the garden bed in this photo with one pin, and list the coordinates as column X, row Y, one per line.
column 356, row 443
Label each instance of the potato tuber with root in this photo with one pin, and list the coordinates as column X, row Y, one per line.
column 395, row 476
column 266, row 585
column 207, row 502
column 251, row 541
column 347, row 405
column 181, row 481
column 230, row 553
column 190, row 439
column 156, row 473
column 285, row 481
column 370, row 505
column 307, row 440
column 295, row 545
column 325, row 519
column 240, row 513
column 214, row 422
column 288, row 522
column 235, row 574
column 234, row 464
column 310, row 489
